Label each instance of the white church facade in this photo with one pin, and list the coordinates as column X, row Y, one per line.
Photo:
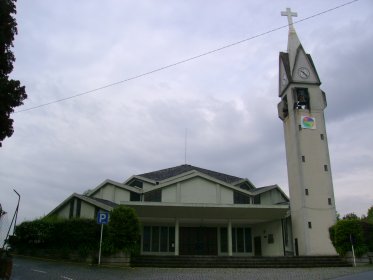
column 187, row 210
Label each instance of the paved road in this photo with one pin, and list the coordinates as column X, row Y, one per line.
column 29, row 269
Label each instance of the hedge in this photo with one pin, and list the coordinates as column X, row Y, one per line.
column 60, row 235
column 81, row 236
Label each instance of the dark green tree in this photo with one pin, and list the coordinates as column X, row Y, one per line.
column 345, row 232
column 369, row 217
column 350, row 216
column 124, row 229
column 12, row 93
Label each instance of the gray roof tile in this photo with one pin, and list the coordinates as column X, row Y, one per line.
column 164, row 174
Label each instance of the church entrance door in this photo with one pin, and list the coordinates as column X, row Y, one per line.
column 257, row 246
column 198, row 241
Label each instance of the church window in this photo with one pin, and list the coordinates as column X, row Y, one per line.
column 71, row 213
column 322, row 136
column 300, row 127
column 241, row 240
column 303, row 159
column 155, row 239
column 78, row 208
column 158, row 239
column 171, row 239
column 309, row 225
column 146, row 237
column 136, row 183
column 134, row 196
column 257, row 199
column 325, row 167
column 329, row 201
column 153, row 196
column 240, row 198
column 306, row 191
column 223, row 240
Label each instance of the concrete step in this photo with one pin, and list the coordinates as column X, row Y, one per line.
column 249, row 262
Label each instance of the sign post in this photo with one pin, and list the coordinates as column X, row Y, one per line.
column 102, row 219
column 352, row 240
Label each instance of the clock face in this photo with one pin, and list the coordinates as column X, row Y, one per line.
column 304, row 73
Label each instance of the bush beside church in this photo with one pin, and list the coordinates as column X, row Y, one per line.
column 78, row 239
column 352, row 230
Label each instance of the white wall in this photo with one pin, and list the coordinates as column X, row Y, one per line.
column 226, row 195
column 113, row 193
column 271, row 197
column 263, row 230
column 87, row 210
column 64, row 212
column 169, row 194
column 198, row 190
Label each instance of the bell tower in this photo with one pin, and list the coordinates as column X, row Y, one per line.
column 309, row 174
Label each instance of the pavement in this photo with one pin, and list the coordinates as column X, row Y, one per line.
column 30, row 268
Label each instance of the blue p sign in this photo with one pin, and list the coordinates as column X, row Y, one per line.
column 102, row 218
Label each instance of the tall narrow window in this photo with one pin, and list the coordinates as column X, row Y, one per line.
column 71, row 213
column 309, row 225
column 155, row 239
column 171, row 239
column 322, row 136
column 146, row 239
column 78, row 208
column 303, row 159
column 306, row 191
column 164, row 239
column 325, row 167
column 223, row 240
column 329, row 201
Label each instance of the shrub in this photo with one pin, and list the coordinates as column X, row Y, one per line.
column 342, row 233
column 58, row 235
column 124, row 229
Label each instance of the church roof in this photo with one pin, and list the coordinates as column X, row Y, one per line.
column 164, row 174
column 104, row 201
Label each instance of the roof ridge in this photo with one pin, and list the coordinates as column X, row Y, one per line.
column 162, row 174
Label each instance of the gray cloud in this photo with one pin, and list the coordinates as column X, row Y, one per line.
column 227, row 100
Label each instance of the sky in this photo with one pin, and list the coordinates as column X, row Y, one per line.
column 222, row 107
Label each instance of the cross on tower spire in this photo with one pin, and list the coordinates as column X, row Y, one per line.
column 289, row 14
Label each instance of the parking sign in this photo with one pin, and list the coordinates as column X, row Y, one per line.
column 102, row 218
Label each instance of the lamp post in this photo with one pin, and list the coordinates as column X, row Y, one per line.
column 14, row 219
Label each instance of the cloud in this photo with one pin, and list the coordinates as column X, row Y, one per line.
column 227, row 101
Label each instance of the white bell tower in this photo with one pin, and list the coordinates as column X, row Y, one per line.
column 310, row 180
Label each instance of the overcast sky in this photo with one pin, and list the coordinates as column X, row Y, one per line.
column 227, row 100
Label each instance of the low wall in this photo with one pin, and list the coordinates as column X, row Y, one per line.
column 363, row 260
column 119, row 259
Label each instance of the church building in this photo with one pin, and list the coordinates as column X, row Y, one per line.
column 188, row 210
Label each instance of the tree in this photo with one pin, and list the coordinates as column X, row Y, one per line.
column 369, row 217
column 12, row 93
column 124, row 229
column 350, row 216
column 346, row 231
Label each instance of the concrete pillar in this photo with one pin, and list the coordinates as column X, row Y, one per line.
column 230, row 251
column 176, row 237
